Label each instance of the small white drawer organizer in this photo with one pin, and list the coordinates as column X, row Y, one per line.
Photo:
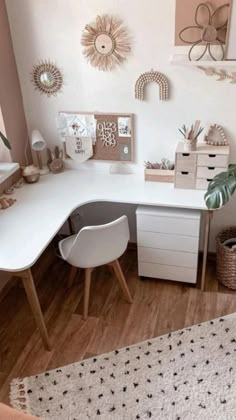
column 168, row 242
column 196, row 169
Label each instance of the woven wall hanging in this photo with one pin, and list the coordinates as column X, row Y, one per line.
column 152, row 76
column 207, row 33
column 106, row 42
column 47, row 78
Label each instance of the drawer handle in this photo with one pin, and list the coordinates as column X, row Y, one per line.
column 184, row 173
column 209, row 180
column 212, row 156
column 211, row 168
column 185, row 154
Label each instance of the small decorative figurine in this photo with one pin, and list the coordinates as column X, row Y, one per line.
column 55, row 161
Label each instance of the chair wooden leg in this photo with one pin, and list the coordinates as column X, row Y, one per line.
column 88, row 272
column 32, row 296
column 72, row 275
column 120, row 276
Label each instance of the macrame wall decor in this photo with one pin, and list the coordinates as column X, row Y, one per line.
column 216, row 136
column 106, row 42
column 208, row 33
column 148, row 77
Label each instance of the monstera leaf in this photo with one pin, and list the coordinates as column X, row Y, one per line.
column 5, row 141
column 221, row 188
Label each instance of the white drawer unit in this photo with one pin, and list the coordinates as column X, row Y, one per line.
column 168, row 243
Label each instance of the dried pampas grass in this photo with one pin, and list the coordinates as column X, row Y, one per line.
column 106, row 42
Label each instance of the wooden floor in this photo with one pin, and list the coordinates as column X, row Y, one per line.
column 158, row 307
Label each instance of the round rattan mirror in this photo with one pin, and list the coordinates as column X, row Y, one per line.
column 47, row 78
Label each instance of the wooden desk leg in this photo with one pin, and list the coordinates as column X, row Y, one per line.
column 209, row 217
column 32, row 296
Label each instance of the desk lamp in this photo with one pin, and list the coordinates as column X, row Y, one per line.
column 38, row 144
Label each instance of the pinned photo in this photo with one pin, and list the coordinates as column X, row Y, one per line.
column 124, row 126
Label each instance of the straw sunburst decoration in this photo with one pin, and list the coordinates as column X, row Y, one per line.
column 47, row 78
column 106, row 42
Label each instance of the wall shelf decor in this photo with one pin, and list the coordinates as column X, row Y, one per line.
column 112, row 134
column 209, row 33
column 205, row 27
column 106, row 42
column 224, row 70
column 221, row 74
column 47, row 78
column 148, row 77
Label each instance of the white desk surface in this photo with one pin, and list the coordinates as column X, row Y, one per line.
column 41, row 209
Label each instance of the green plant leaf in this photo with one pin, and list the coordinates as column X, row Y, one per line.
column 5, row 141
column 221, row 188
column 183, row 134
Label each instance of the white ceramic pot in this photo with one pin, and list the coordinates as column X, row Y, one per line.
column 190, row 145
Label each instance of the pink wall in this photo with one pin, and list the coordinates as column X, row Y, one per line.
column 10, row 92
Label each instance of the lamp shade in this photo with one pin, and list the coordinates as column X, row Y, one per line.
column 37, row 141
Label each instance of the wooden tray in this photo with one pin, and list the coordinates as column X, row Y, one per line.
column 159, row 175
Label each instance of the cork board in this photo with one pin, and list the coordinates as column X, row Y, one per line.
column 185, row 16
column 114, row 136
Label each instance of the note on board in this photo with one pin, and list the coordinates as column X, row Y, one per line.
column 79, row 148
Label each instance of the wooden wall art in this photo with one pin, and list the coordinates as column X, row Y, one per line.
column 106, row 42
column 112, row 135
column 208, row 30
column 152, row 76
column 47, row 78
column 185, row 16
column 216, row 136
column 221, row 74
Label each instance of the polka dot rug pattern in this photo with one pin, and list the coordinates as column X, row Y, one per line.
column 187, row 374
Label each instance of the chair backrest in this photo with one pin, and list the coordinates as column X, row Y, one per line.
column 99, row 245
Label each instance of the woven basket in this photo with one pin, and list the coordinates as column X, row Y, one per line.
column 226, row 259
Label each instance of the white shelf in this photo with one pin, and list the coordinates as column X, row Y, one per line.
column 7, row 169
column 182, row 60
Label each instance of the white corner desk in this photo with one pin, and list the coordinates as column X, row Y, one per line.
column 41, row 209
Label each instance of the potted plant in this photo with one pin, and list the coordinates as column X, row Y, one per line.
column 191, row 135
column 221, row 188
column 5, row 141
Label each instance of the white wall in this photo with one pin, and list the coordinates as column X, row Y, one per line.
column 52, row 29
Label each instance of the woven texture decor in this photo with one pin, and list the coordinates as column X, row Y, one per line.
column 226, row 259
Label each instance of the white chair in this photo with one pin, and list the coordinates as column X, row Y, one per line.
column 94, row 246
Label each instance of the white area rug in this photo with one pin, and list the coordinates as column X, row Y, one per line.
column 188, row 374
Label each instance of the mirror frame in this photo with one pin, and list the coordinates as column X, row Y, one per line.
column 49, row 67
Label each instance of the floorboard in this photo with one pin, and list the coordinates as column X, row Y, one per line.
column 159, row 307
